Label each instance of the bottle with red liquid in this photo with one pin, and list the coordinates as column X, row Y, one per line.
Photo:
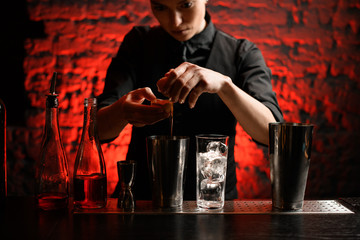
column 52, row 180
column 3, row 183
column 90, row 185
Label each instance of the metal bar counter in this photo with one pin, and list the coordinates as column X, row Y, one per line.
column 230, row 207
column 325, row 219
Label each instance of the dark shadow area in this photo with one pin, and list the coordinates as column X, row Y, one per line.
column 17, row 28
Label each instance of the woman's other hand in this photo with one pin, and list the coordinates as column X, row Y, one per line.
column 190, row 80
column 138, row 114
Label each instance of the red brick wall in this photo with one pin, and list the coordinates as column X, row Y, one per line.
column 312, row 47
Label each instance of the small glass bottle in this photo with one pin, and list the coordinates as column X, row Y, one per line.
column 52, row 180
column 3, row 182
column 90, row 185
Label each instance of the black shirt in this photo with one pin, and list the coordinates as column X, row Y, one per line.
column 147, row 53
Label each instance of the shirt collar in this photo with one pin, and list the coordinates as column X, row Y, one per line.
column 202, row 40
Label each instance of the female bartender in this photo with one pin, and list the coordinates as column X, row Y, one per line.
column 213, row 79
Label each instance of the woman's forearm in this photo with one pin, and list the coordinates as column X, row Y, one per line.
column 251, row 114
column 108, row 123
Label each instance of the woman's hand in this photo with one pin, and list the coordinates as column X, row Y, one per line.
column 190, row 80
column 138, row 114
column 129, row 109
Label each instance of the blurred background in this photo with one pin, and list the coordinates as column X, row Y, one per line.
column 311, row 46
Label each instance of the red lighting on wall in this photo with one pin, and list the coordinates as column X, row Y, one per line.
column 312, row 48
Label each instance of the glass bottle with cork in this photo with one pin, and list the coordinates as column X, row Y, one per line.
column 52, row 180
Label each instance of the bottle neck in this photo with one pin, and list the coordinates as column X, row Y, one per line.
column 51, row 117
column 90, row 108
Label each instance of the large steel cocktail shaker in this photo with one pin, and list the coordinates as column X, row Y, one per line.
column 289, row 153
column 166, row 158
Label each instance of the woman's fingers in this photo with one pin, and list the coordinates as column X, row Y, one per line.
column 195, row 94
column 165, row 84
column 139, row 114
column 139, row 95
column 190, row 81
column 181, row 85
